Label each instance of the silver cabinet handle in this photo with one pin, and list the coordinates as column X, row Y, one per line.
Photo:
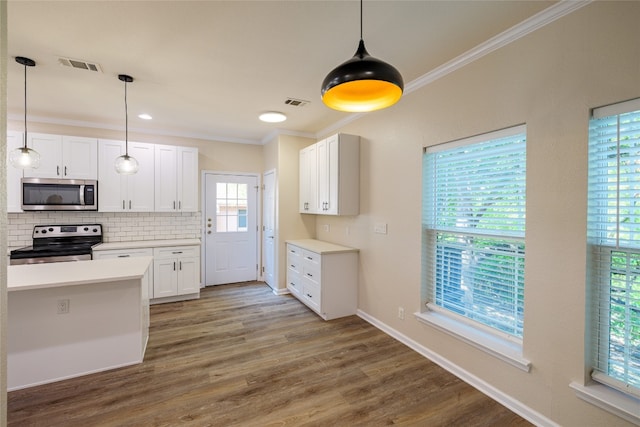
column 174, row 266
column 129, row 204
column 65, row 171
column 124, row 256
column 57, row 170
column 177, row 252
column 123, row 208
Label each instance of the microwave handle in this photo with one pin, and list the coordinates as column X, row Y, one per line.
column 82, row 195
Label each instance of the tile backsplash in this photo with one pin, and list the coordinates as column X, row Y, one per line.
column 116, row 227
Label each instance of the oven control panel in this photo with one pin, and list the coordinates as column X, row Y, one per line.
column 77, row 230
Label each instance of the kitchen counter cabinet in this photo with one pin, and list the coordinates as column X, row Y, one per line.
column 323, row 276
column 105, row 326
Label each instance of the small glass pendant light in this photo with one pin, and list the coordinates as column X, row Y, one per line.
column 125, row 164
column 25, row 157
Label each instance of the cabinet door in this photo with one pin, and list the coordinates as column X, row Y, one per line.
column 188, row 275
column 14, row 186
column 323, row 175
column 111, row 185
column 165, row 277
column 50, row 149
column 332, row 174
column 187, row 179
column 165, row 178
column 308, row 180
column 140, row 186
column 80, row 157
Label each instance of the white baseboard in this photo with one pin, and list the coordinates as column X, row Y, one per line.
column 499, row 396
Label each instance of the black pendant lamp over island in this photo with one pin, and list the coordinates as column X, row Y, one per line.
column 363, row 83
column 24, row 157
column 125, row 164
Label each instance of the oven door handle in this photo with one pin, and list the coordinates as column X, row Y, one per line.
column 82, row 195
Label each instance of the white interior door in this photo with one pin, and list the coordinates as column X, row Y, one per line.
column 231, row 231
column 269, row 243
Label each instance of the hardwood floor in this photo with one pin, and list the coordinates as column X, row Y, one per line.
column 242, row 356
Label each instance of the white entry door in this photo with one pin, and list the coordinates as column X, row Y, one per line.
column 269, row 237
column 231, row 231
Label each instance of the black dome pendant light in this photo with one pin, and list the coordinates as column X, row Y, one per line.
column 24, row 157
column 363, row 83
column 125, row 164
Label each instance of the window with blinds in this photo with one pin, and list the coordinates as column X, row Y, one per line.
column 473, row 229
column 613, row 224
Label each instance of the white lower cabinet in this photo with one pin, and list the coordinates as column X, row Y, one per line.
column 176, row 271
column 324, row 276
column 127, row 253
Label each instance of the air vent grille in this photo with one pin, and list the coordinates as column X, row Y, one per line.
column 296, row 102
column 80, row 64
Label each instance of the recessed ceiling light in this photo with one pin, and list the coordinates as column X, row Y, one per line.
column 145, row 116
column 272, row 117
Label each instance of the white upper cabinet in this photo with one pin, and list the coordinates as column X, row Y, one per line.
column 335, row 179
column 125, row 193
column 309, row 179
column 176, row 179
column 61, row 156
column 14, row 199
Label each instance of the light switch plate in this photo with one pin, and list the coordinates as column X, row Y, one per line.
column 380, row 228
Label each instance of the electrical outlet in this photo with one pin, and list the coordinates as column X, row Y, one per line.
column 401, row 313
column 326, row 228
column 63, row 306
column 380, row 228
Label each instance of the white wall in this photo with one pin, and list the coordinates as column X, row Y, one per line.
column 549, row 80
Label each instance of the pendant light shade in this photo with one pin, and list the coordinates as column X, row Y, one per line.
column 125, row 164
column 363, row 83
column 24, row 157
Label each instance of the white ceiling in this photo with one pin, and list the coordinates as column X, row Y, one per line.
column 206, row 69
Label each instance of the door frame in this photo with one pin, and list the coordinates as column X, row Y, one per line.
column 203, row 226
column 276, row 233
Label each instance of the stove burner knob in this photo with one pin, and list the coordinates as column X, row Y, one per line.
column 51, row 229
column 95, row 230
column 86, row 229
column 44, row 231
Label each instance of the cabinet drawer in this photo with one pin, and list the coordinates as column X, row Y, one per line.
column 311, row 273
column 294, row 284
column 125, row 253
column 311, row 294
column 311, row 258
column 294, row 262
column 294, row 251
column 176, row 252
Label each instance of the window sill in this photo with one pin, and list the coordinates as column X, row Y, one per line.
column 613, row 401
column 493, row 344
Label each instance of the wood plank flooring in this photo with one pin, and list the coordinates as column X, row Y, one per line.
column 242, row 356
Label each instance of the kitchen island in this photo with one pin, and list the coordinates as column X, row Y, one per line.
column 68, row 319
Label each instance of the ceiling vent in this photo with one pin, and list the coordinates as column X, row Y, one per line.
column 80, row 64
column 296, row 102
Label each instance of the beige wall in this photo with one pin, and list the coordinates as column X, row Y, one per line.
column 549, row 80
column 283, row 153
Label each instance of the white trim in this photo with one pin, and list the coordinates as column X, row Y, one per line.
column 501, row 397
column 483, row 137
column 617, row 108
column 609, row 399
column 497, row 346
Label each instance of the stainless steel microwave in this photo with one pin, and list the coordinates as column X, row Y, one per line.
column 44, row 194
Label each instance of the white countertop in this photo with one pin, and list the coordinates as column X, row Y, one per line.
column 320, row 247
column 138, row 244
column 58, row 274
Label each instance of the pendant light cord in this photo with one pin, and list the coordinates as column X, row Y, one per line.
column 126, row 122
column 25, row 105
column 360, row 19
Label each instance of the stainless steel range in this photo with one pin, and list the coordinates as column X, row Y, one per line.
column 57, row 243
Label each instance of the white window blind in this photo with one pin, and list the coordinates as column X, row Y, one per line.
column 613, row 223
column 474, row 224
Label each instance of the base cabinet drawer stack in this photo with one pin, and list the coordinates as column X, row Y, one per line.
column 323, row 276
